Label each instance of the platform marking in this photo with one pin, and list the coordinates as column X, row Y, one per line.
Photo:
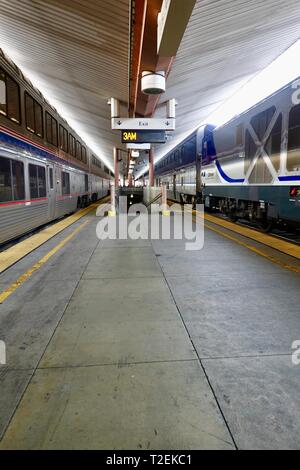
column 259, row 252
column 283, row 246
column 14, row 286
column 295, row 269
column 15, row 253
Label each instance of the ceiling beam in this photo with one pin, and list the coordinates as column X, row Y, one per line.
column 137, row 37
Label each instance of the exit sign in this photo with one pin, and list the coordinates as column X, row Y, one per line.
column 143, row 137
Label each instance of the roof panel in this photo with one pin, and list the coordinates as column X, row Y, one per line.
column 226, row 43
column 76, row 51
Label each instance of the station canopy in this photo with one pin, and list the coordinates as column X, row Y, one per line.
column 77, row 53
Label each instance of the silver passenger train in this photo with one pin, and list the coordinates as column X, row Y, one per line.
column 46, row 170
column 248, row 168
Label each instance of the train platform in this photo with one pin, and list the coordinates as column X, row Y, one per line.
column 140, row 344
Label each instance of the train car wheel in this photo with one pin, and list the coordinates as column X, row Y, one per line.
column 232, row 216
column 265, row 226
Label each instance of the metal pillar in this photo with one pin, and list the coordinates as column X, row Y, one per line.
column 164, row 201
column 151, row 167
column 112, row 211
column 116, row 166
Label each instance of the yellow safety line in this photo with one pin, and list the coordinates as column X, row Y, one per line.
column 259, row 252
column 255, row 250
column 7, row 292
column 273, row 242
column 20, row 250
column 280, row 245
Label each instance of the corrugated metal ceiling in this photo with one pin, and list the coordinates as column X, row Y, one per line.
column 77, row 53
column 226, row 43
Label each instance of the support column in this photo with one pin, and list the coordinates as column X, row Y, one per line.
column 164, row 201
column 116, row 166
column 151, row 167
column 112, row 211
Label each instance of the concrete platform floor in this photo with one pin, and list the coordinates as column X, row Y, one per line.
column 143, row 345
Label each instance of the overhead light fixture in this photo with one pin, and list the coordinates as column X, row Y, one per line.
column 153, row 83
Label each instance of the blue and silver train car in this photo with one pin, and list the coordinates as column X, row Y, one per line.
column 46, row 170
column 248, row 168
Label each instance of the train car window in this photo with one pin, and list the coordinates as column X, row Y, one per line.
column 41, row 181
column 86, row 183
column 63, row 138
column 66, row 140
column 96, row 162
column 260, row 173
column 51, row 129
column 18, row 180
column 273, row 144
column 9, row 97
column 38, row 115
column 72, row 145
column 5, row 180
column 12, row 187
column 33, row 182
column 261, row 121
column 65, row 182
column 250, row 150
column 37, row 181
column 2, row 93
column 48, row 128
column 29, row 111
column 13, row 100
column 293, row 156
column 51, row 178
column 239, row 134
column 78, row 150
column 34, row 116
column 83, row 154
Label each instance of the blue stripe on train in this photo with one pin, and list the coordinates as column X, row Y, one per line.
column 289, row 178
column 31, row 148
column 232, row 180
column 226, row 177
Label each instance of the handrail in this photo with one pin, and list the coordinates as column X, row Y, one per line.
column 158, row 196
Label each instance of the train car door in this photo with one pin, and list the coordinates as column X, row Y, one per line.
column 51, row 192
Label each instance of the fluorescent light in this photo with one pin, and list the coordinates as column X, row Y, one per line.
column 279, row 73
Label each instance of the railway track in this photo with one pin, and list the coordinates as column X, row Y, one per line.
column 279, row 240
column 287, row 235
